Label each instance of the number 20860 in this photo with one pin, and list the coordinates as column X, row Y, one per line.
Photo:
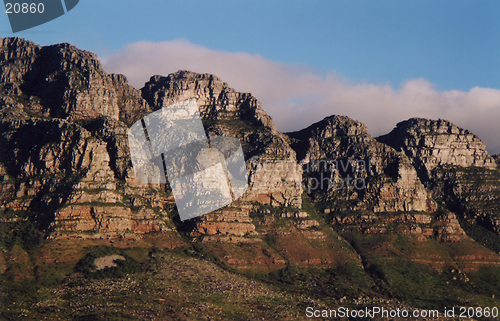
column 24, row 8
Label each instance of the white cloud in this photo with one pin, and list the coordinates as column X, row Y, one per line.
column 297, row 96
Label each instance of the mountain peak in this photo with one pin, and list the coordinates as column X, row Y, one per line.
column 432, row 143
column 61, row 81
column 332, row 126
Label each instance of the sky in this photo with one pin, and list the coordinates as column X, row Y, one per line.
column 379, row 62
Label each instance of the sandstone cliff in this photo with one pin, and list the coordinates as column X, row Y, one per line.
column 65, row 161
column 64, row 153
column 454, row 165
column 432, row 143
column 228, row 113
column 417, row 216
column 76, row 176
column 382, row 178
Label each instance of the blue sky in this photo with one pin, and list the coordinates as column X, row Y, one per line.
column 454, row 44
column 451, row 44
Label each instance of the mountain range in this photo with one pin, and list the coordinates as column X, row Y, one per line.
column 332, row 216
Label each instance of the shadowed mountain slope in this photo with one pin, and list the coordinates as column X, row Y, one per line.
column 332, row 216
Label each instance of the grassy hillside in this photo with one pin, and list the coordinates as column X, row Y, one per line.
column 275, row 275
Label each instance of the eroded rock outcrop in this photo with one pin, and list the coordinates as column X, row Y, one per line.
column 432, row 143
column 443, row 227
column 232, row 221
column 65, row 167
column 273, row 178
column 65, row 180
column 339, row 151
column 454, row 165
column 61, row 81
column 65, row 159
column 497, row 158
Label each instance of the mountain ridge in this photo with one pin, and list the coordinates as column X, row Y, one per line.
column 100, row 107
column 426, row 195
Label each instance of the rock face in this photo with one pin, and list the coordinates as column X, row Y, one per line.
column 65, row 163
column 66, row 171
column 61, row 81
column 497, row 158
column 339, row 150
column 433, row 143
column 273, row 177
column 225, row 222
column 368, row 221
column 226, row 112
column 65, row 160
column 454, row 165
column 443, row 227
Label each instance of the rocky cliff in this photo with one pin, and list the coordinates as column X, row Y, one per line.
column 432, row 143
column 454, row 164
column 338, row 149
column 497, row 158
column 330, row 211
column 228, row 113
column 65, row 160
column 76, row 175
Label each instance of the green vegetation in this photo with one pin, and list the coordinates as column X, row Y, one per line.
column 390, row 266
column 391, row 262
column 271, row 240
column 307, row 205
column 486, row 280
column 387, row 270
column 349, row 280
column 413, row 282
column 482, row 235
column 21, row 232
